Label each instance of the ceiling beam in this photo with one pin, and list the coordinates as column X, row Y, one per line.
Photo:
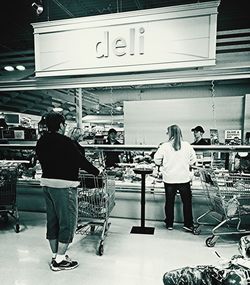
column 58, row 94
column 17, row 59
column 36, row 95
column 16, row 75
column 17, row 53
column 22, row 108
column 153, row 79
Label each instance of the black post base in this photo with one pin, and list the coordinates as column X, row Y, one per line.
column 142, row 230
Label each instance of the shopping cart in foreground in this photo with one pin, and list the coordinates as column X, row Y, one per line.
column 96, row 199
column 8, row 180
column 228, row 199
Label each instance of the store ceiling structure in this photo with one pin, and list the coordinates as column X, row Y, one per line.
column 17, row 48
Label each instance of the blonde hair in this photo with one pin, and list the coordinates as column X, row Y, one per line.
column 175, row 136
column 73, row 131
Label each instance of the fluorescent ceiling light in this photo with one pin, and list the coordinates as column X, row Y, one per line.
column 243, row 154
column 20, row 67
column 57, row 109
column 9, row 68
column 102, row 119
column 119, row 108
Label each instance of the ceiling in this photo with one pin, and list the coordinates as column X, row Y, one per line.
column 16, row 47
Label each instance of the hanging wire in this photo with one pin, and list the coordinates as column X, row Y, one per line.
column 213, row 103
column 112, row 106
column 48, row 10
column 140, row 95
column 118, row 6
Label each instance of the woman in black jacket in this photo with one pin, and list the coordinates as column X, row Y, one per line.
column 60, row 161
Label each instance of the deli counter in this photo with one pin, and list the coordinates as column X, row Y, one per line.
column 223, row 159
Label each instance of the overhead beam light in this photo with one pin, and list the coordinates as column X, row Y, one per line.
column 38, row 7
column 9, row 68
column 20, row 67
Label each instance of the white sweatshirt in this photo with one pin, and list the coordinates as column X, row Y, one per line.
column 175, row 164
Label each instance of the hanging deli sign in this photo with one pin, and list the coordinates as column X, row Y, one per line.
column 181, row 36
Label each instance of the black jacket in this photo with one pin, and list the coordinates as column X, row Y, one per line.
column 60, row 158
column 201, row 142
column 79, row 147
column 112, row 157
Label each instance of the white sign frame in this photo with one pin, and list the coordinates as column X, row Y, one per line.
column 181, row 36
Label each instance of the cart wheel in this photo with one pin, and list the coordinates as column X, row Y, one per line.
column 196, row 231
column 92, row 229
column 100, row 249
column 17, row 229
column 210, row 242
column 107, row 228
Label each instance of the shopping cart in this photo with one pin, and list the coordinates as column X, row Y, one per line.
column 8, row 180
column 96, row 199
column 228, row 199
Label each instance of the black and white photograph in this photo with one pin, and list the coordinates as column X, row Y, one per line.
column 124, row 142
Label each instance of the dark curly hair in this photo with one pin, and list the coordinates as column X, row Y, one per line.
column 53, row 121
column 112, row 131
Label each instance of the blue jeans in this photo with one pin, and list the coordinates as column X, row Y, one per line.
column 186, row 197
column 62, row 211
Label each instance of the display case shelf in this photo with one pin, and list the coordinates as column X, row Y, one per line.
column 30, row 195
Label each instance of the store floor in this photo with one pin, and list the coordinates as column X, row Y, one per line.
column 129, row 259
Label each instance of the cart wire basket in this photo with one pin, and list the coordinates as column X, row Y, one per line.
column 96, row 200
column 8, row 181
column 228, row 201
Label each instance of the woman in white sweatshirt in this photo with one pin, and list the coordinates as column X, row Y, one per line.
column 176, row 156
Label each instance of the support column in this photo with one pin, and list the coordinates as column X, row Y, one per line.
column 79, row 107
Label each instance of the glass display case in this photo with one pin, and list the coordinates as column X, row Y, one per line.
column 225, row 160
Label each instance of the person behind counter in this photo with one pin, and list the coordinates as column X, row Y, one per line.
column 3, row 127
column 198, row 136
column 3, row 124
column 60, row 162
column 112, row 157
column 176, row 156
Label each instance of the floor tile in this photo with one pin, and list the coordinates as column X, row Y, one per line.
column 129, row 259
